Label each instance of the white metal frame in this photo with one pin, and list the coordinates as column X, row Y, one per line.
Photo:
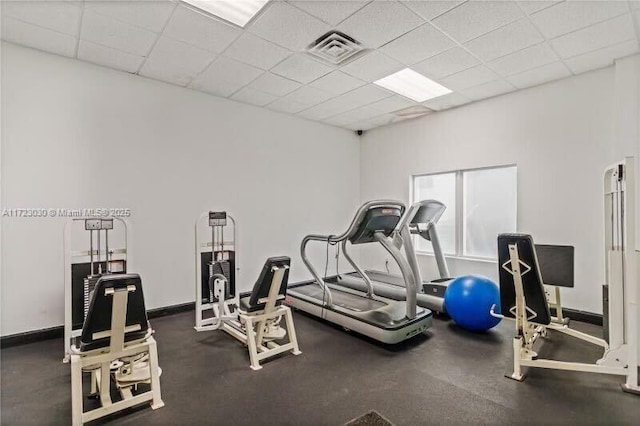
column 247, row 327
column 99, row 363
column 72, row 257
column 620, row 355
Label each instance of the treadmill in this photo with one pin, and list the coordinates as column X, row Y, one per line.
column 422, row 218
column 385, row 320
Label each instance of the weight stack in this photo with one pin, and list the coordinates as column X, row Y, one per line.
column 222, row 267
column 89, row 285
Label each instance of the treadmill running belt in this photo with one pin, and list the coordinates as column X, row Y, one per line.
column 341, row 298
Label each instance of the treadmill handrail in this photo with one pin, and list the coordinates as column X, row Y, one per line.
column 359, row 216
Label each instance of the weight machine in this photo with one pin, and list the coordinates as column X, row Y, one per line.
column 253, row 318
column 106, row 331
column 523, row 297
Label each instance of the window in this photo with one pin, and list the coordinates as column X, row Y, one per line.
column 480, row 204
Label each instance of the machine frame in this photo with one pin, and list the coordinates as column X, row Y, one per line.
column 247, row 327
column 74, row 257
column 620, row 356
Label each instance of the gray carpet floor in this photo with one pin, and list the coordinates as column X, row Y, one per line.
column 445, row 376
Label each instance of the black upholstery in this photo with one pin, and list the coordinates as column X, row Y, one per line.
column 377, row 219
column 263, row 284
column 533, row 286
column 99, row 315
column 556, row 264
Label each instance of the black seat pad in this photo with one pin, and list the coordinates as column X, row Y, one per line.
column 532, row 283
column 99, row 315
column 263, row 284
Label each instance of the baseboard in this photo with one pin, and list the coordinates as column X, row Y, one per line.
column 58, row 332
column 582, row 316
column 31, row 336
column 170, row 310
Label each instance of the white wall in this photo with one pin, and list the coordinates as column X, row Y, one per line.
column 561, row 136
column 75, row 135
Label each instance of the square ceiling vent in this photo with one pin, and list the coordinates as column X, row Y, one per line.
column 335, row 48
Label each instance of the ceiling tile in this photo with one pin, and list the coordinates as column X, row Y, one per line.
column 475, row 76
column 109, row 57
column 540, row 75
column 339, row 120
column 488, row 90
column 532, row 6
column 570, row 16
column 150, row 15
column 119, row 35
column 635, row 4
column 601, row 58
column 430, row 9
column 300, row 67
column 360, row 125
column 600, row 35
column 274, row 84
column 386, row 105
column 175, row 62
column 417, row 45
column 332, row 12
column 450, row 100
column 361, row 96
column 356, row 115
column 63, row 17
column 254, row 97
column 474, row 18
column 37, row 37
column 308, row 96
column 372, row 66
column 508, row 39
column 225, row 76
column 288, row 26
column 286, row 105
column 380, row 22
column 446, row 63
column 200, row 30
column 321, row 111
column 337, row 83
column 255, row 51
column 526, row 59
column 384, row 120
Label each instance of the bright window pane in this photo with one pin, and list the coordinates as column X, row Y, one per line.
column 489, row 209
column 440, row 187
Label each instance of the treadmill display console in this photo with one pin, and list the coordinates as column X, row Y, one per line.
column 379, row 219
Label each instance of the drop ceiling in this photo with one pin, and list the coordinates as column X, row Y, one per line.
column 478, row 49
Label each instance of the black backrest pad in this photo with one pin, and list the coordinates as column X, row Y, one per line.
column 99, row 315
column 377, row 219
column 532, row 283
column 262, row 286
column 556, row 264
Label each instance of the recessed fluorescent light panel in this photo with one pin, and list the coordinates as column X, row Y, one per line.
column 412, row 85
column 238, row 12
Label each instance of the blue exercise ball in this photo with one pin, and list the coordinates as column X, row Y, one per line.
column 468, row 300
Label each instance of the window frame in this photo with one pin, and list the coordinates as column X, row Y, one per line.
column 459, row 211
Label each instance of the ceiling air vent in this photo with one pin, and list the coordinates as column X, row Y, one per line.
column 335, row 47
